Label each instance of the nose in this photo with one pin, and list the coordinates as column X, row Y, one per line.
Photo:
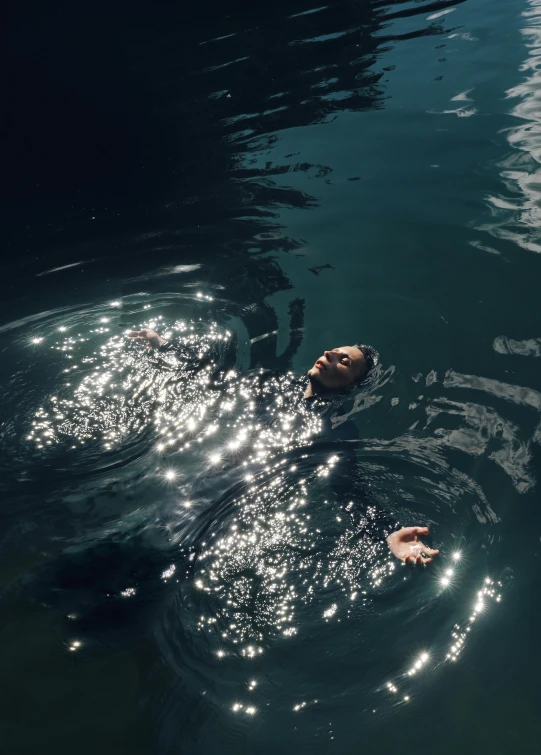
column 329, row 355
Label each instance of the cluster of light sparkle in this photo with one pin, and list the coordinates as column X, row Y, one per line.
column 120, row 386
column 271, row 558
column 490, row 591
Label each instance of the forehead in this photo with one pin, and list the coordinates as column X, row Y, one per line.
column 351, row 351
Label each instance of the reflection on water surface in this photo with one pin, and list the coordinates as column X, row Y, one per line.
column 193, row 557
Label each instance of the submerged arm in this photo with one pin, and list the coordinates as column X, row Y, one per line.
column 404, row 543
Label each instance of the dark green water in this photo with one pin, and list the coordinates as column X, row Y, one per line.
column 377, row 166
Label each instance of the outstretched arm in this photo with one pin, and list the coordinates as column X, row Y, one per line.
column 403, row 543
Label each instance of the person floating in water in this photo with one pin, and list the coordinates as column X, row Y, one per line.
column 336, row 372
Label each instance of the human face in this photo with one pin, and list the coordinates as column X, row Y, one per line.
column 339, row 368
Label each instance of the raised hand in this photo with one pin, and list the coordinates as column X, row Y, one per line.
column 406, row 546
column 147, row 337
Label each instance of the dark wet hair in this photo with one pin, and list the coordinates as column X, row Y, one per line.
column 371, row 357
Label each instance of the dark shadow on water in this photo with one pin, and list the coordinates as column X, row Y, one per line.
column 133, row 128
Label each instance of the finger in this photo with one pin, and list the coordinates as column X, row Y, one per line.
column 407, row 530
column 428, row 551
column 135, row 333
column 420, row 530
column 413, row 560
column 417, row 560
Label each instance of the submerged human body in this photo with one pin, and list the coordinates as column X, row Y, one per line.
column 335, row 372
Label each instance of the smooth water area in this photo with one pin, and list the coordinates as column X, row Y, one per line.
column 191, row 560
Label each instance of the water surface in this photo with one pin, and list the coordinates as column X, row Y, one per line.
column 181, row 574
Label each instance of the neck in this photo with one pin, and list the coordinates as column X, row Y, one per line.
column 311, row 388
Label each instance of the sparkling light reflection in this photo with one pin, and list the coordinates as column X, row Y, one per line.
column 272, row 556
column 426, row 661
